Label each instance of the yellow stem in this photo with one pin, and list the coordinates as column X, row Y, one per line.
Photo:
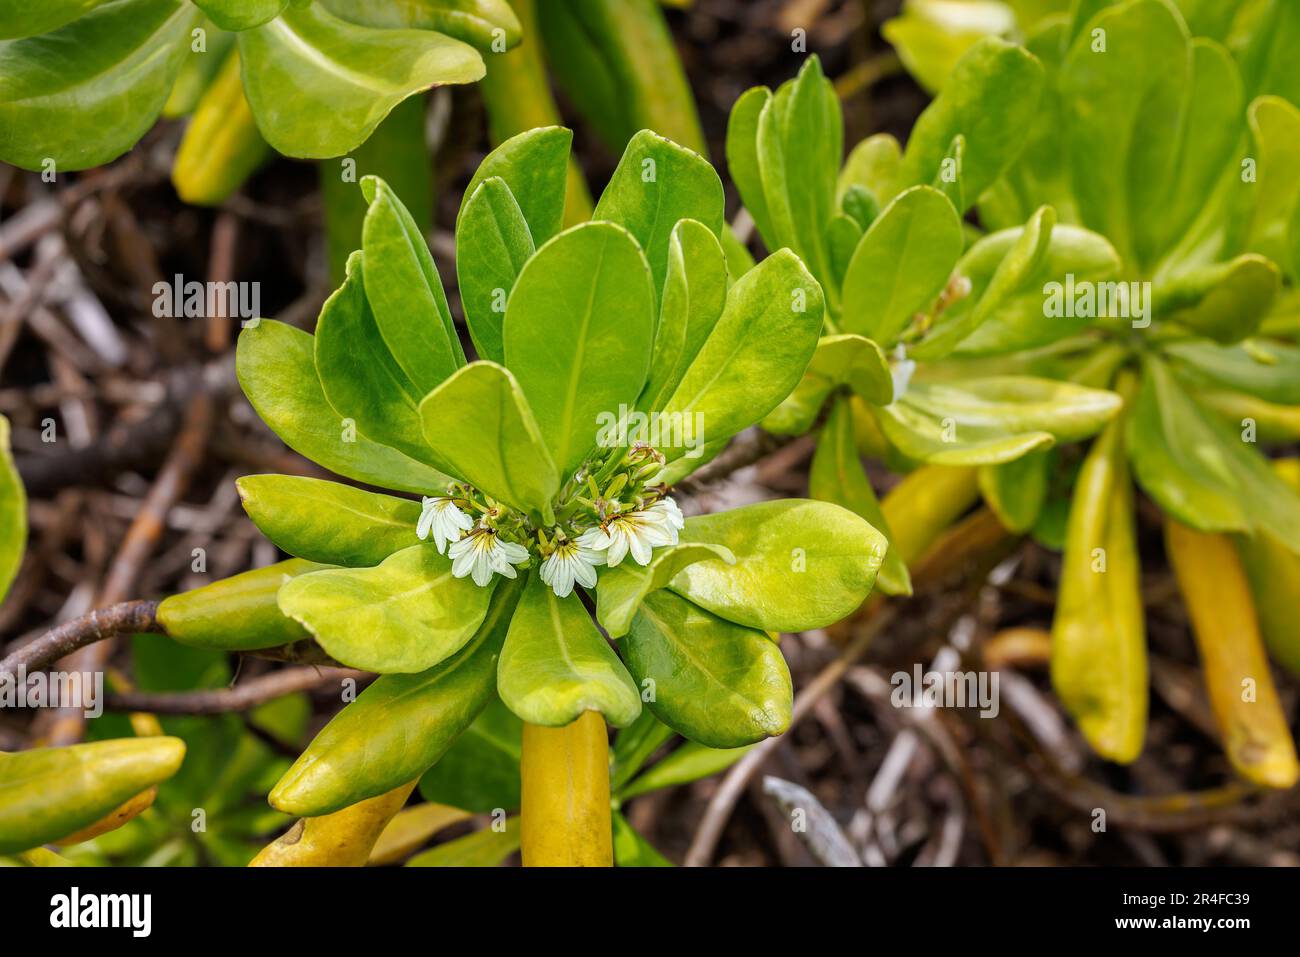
column 342, row 839
column 565, row 816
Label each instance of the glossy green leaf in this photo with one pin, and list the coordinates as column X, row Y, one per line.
column 556, row 665
column 742, row 157
column 621, row 590
column 241, row 14
column 480, row 22
column 84, row 94
column 902, row 263
column 578, row 334
column 694, row 293
column 534, row 164
column 482, row 430
column 404, row 615
column 1223, row 301
column 757, row 352
column 13, row 513
column 492, row 245
column 238, row 613
column 49, row 793
column 709, row 679
column 800, row 564
column 327, row 522
column 359, row 375
column 23, row 18
column 839, row 360
column 1016, row 490
column 319, row 85
column 1201, row 471
column 486, row 848
column 990, row 99
column 633, row 850
column 278, row 374
column 837, row 476
column 1053, row 300
column 688, row 763
column 405, row 291
column 1267, row 369
column 401, row 725
column 1123, row 111
column 1014, row 273
column 992, row 420
column 480, row 771
column 656, row 184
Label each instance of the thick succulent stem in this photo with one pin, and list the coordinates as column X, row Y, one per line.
column 565, row 815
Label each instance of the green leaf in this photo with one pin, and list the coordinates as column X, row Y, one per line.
column 534, row 165
column 1222, row 301
column 239, row 613
column 13, row 513
column 319, row 85
column 992, row 420
column 327, row 522
column 278, row 374
column 930, row 37
column 49, row 793
column 400, row 726
column 241, row 14
column 742, row 158
column 800, row 144
column 485, row 848
column 634, row 745
column 405, row 291
column 800, row 564
column 633, row 850
column 84, row 94
column 404, row 615
column 480, row 771
column 1037, row 311
column 555, row 664
column 839, row 360
column 621, row 590
column 22, row 18
column 1202, row 472
column 1016, row 490
column 688, row 763
column 480, row 22
column 1275, row 128
column 708, row 679
column 482, row 430
column 873, row 166
column 991, row 100
column 578, row 334
column 1014, row 273
column 492, row 245
column 902, row 263
column 656, row 184
column 1266, row 369
column 837, row 476
column 359, row 375
column 757, row 353
column 1123, row 110
column 694, row 293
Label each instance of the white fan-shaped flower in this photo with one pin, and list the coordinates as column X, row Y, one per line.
column 443, row 519
column 482, row 553
column 637, row 533
column 570, row 562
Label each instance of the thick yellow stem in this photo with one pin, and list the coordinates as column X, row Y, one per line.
column 565, row 816
column 342, row 839
column 1245, row 702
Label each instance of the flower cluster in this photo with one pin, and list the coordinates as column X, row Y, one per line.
column 606, row 513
